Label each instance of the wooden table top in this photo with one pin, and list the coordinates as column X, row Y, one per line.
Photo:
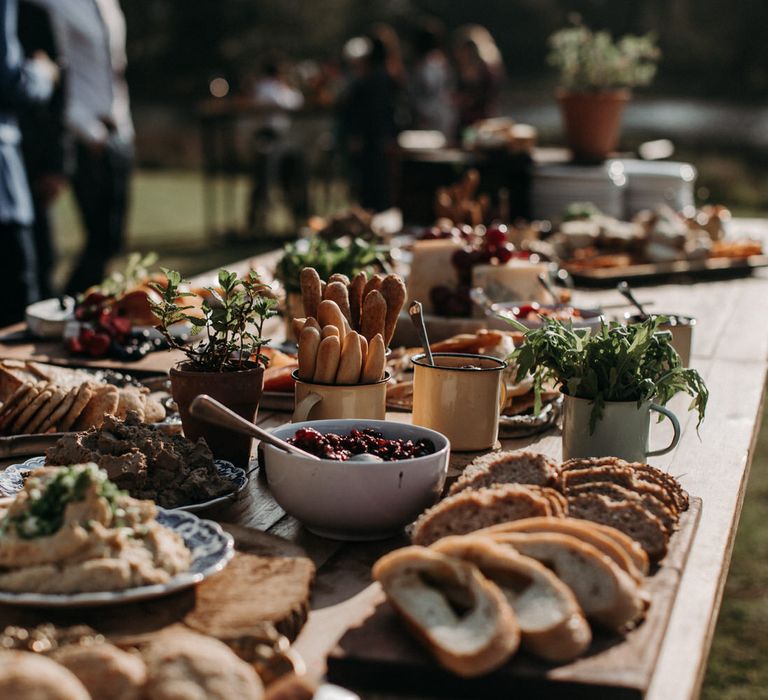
column 730, row 349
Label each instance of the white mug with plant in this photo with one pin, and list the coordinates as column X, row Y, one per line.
column 225, row 360
column 611, row 380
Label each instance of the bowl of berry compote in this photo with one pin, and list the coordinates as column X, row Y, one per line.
column 346, row 497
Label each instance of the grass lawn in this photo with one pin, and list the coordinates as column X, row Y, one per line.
column 167, row 216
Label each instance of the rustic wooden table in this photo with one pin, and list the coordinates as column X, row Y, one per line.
column 730, row 349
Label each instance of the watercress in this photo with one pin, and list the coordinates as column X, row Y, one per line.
column 615, row 363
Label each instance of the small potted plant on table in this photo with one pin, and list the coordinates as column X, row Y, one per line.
column 611, row 381
column 596, row 76
column 226, row 363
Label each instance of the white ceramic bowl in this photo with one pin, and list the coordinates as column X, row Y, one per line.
column 356, row 500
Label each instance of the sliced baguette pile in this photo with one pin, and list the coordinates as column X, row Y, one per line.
column 554, row 575
column 639, row 500
column 40, row 398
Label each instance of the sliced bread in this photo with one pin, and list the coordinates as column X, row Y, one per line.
column 471, row 510
column 519, row 467
column 608, row 595
column 551, row 622
column 461, row 617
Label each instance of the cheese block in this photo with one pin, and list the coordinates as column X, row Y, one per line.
column 431, row 267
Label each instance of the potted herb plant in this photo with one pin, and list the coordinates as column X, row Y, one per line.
column 596, row 78
column 226, row 362
column 327, row 257
column 611, row 380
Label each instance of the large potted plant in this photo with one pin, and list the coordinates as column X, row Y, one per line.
column 596, row 78
column 226, row 362
column 611, row 380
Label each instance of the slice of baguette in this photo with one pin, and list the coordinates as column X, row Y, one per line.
column 519, row 467
column 625, row 552
column 462, row 618
column 471, row 510
column 552, row 624
column 607, row 594
column 630, row 518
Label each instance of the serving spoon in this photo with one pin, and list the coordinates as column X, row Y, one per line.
column 417, row 317
column 544, row 282
column 210, row 410
column 625, row 290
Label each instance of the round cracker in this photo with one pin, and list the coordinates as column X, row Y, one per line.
column 61, row 410
column 103, row 402
column 14, row 398
column 84, row 394
column 20, row 424
column 7, row 418
column 46, row 409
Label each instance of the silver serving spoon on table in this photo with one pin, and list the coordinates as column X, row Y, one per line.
column 208, row 409
column 625, row 290
column 417, row 317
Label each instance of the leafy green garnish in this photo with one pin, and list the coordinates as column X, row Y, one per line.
column 616, row 363
column 48, row 500
column 232, row 320
column 326, row 257
column 136, row 270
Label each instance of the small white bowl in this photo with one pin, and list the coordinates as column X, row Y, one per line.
column 356, row 500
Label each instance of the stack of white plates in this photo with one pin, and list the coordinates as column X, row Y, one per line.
column 653, row 183
column 556, row 186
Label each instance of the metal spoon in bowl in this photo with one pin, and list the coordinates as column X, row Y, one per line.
column 417, row 317
column 625, row 291
column 208, row 409
column 544, row 282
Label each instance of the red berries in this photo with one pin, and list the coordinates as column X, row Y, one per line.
column 365, row 441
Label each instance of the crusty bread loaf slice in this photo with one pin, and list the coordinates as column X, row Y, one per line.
column 471, row 510
column 648, row 473
column 630, row 518
column 616, row 547
column 558, row 503
column 608, row 595
column 519, row 467
column 461, row 617
column 620, row 493
column 552, row 624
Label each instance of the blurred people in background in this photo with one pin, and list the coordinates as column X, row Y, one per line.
column 479, row 74
column 22, row 83
column 91, row 37
column 42, row 143
column 431, row 81
column 276, row 158
column 368, row 115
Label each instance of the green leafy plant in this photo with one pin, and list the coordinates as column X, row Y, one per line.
column 326, row 257
column 231, row 317
column 615, row 363
column 593, row 61
column 136, row 271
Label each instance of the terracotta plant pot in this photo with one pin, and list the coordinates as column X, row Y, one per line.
column 592, row 122
column 239, row 391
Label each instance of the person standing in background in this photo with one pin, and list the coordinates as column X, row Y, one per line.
column 22, row 83
column 42, row 143
column 91, row 40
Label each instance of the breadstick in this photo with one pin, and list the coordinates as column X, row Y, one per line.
column 374, row 363
column 374, row 315
column 338, row 292
column 297, row 325
column 363, row 349
column 311, row 291
column 312, row 323
column 356, row 287
column 309, row 342
column 350, row 363
column 330, row 330
column 327, row 362
column 329, row 313
column 339, row 277
column 393, row 291
column 371, row 284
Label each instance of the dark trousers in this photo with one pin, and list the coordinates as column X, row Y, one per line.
column 100, row 183
column 18, row 272
column 44, row 248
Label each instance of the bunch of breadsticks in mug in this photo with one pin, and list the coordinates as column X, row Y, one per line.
column 348, row 326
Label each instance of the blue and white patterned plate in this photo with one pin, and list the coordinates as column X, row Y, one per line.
column 211, row 548
column 12, row 481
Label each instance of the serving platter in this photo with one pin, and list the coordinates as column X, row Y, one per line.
column 211, row 549
column 12, row 482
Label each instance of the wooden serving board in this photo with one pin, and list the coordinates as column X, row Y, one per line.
column 268, row 581
column 380, row 654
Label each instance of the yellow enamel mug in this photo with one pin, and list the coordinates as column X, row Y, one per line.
column 331, row 401
column 460, row 397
